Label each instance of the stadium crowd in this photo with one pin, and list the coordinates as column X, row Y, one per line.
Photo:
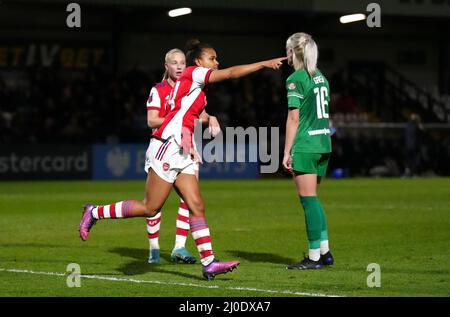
column 44, row 106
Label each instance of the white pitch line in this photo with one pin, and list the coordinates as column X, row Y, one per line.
column 115, row 279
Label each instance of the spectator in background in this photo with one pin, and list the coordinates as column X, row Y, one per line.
column 346, row 103
column 413, row 145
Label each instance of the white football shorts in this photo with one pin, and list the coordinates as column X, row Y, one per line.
column 165, row 159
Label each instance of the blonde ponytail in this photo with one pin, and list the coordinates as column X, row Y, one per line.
column 310, row 57
column 305, row 50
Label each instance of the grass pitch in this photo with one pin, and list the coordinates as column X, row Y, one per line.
column 402, row 225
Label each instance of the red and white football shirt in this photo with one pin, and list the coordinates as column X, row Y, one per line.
column 158, row 98
column 186, row 101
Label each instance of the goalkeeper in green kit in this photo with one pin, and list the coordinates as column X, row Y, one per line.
column 308, row 143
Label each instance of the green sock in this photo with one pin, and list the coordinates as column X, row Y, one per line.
column 313, row 219
column 324, row 231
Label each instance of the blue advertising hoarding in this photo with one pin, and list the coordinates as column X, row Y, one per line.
column 126, row 161
column 118, row 161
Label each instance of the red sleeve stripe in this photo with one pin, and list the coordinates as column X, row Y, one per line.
column 153, row 108
column 207, row 76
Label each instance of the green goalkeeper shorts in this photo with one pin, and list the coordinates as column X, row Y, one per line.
column 310, row 163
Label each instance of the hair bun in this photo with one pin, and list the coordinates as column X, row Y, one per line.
column 192, row 43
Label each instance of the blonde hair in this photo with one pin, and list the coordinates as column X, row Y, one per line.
column 166, row 60
column 305, row 49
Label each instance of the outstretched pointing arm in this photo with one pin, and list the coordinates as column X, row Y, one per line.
column 243, row 70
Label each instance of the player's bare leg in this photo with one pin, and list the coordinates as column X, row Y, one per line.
column 156, row 192
column 187, row 186
column 306, row 184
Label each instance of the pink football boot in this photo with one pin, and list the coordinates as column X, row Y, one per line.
column 87, row 221
column 217, row 267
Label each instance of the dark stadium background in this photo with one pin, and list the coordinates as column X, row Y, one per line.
column 81, row 92
column 73, row 131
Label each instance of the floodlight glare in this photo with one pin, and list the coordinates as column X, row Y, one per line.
column 352, row 18
column 178, row 12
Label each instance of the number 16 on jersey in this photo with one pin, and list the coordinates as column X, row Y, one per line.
column 321, row 102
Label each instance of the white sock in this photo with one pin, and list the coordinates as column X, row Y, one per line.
column 314, row 254
column 154, row 244
column 324, row 248
column 95, row 212
column 180, row 242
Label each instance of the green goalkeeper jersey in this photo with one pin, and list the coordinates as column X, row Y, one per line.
column 311, row 96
